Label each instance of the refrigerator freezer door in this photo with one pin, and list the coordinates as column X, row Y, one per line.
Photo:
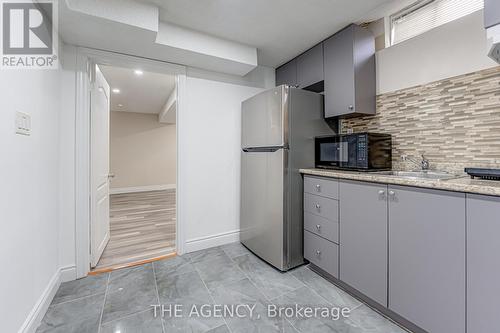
column 263, row 189
column 264, row 119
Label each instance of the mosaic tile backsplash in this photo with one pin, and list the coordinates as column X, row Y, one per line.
column 455, row 122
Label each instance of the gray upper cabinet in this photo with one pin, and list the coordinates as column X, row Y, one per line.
column 310, row 69
column 349, row 72
column 287, row 74
column 483, row 268
column 363, row 238
column 427, row 258
column 491, row 13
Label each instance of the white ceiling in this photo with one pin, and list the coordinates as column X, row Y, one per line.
column 147, row 93
column 280, row 29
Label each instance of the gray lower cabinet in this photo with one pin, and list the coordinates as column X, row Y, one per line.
column 321, row 186
column 427, row 258
column 363, row 238
column 491, row 13
column 483, row 263
column 287, row 74
column 321, row 253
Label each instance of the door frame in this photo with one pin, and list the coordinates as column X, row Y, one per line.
column 85, row 59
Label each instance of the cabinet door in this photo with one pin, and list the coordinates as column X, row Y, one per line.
column 491, row 13
column 363, row 238
column 287, row 74
column 427, row 258
column 310, row 67
column 483, row 267
column 339, row 73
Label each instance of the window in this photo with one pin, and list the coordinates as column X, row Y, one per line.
column 425, row 15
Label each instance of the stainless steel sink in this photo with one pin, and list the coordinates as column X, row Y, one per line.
column 435, row 175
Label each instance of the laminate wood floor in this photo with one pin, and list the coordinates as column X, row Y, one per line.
column 142, row 227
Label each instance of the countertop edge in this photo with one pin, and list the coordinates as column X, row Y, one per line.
column 463, row 184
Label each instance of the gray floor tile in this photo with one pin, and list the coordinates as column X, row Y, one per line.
column 183, row 288
column 306, row 297
column 220, row 329
column 81, row 315
column 234, row 250
column 128, row 278
column 269, row 280
column 324, row 288
column 288, row 328
column 87, row 286
column 143, row 322
column 203, row 255
column 219, row 271
column 370, row 321
column 192, row 325
column 129, row 299
column 244, row 292
column 223, row 275
column 173, row 266
column 239, row 292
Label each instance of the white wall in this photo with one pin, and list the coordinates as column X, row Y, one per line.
column 210, row 137
column 143, row 151
column 453, row 49
column 30, row 192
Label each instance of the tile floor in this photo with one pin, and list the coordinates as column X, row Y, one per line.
column 120, row 302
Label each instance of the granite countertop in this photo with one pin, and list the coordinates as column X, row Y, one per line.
column 462, row 184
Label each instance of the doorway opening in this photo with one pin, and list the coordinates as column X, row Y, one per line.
column 133, row 157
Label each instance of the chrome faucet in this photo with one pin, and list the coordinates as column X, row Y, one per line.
column 423, row 163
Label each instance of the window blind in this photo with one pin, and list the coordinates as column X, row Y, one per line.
column 426, row 15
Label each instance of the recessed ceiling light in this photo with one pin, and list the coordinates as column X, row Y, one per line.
column 138, row 72
column 120, row 105
column 116, row 90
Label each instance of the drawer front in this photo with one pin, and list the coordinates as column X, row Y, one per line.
column 324, row 207
column 321, row 227
column 321, row 253
column 322, row 186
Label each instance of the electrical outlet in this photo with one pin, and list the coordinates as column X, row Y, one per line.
column 23, row 123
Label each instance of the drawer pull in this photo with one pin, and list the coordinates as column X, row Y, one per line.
column 381, row 192
column 318, row 226
column 318, row 206
column 318, row 253
column 318, row 188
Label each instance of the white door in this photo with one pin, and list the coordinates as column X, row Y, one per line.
column 99, row 157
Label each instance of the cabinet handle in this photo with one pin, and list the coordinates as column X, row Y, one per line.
column 381, row 192
column 318, row 188
column 351, row 107
column 318, row 206
column 318, row 253
column 392, row 193
column 318, row 227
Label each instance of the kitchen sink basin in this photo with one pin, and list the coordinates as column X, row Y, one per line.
column 435, row 175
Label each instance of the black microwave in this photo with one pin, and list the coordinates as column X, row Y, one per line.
column 358, row 151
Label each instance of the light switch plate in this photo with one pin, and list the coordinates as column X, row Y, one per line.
column 23, row 123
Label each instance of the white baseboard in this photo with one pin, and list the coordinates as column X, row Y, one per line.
column 206, row 242
column 68, row 273
column 121, row 190
column 38, row 312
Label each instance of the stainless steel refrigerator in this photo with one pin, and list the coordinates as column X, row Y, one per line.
column 278, row 130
